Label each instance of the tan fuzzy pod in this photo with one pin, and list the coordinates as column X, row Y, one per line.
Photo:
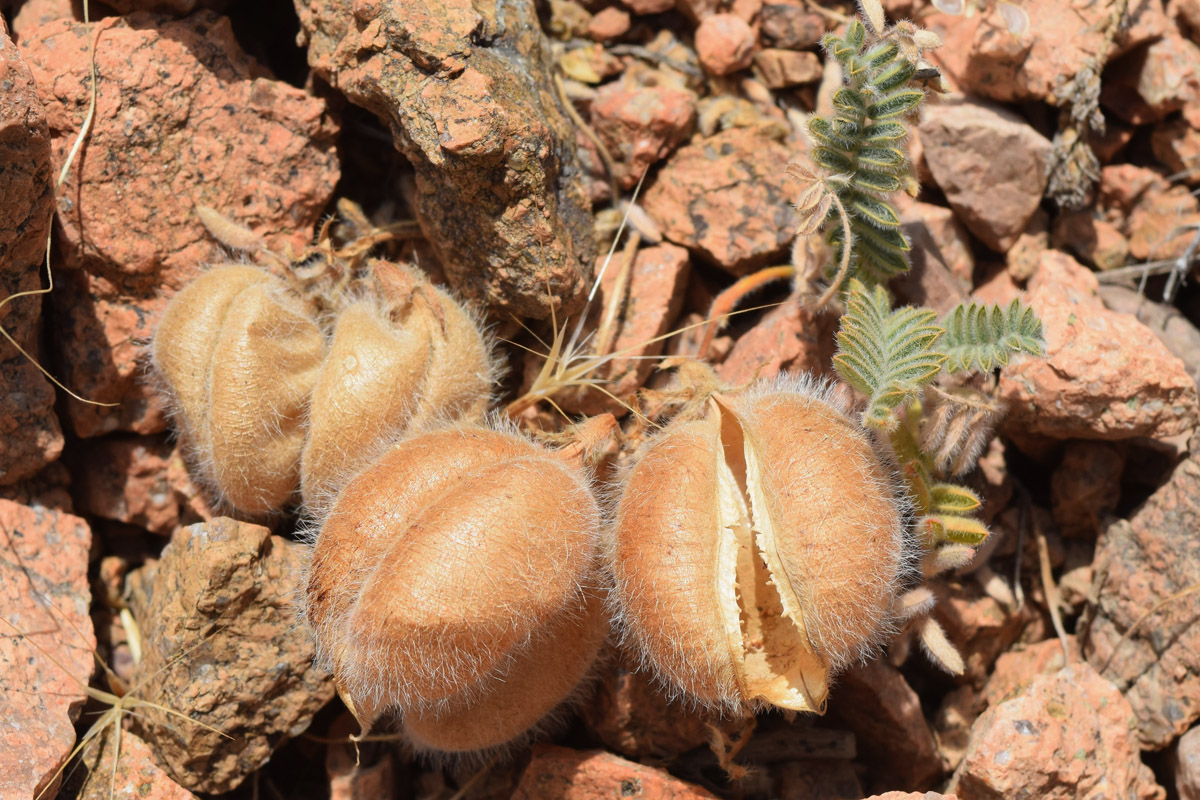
column 404, row 358
column 541, row 679
column 436, row 565
column 185, row 339
column 759, row 549
column 238, row 352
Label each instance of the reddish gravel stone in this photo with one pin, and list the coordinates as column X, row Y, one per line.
column 1140, row 562
column 725, row 197
column 993, row 197
column 499, row 190
column 137, row 775
column 210, row 127
column 43, row 561
column 127, row 479
column 877, row 704
column 30, row 436
column 556, row 773
column 224, row 592
column 725, row 44
column 641, row 119
column 1105, row 375
column 1067, row 736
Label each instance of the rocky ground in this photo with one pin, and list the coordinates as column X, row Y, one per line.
column 453, row 114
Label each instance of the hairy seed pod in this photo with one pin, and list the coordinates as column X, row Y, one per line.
column 440, row 564
column 526, row 696
column 758, row 549
column 404, row 357
column 238, row 353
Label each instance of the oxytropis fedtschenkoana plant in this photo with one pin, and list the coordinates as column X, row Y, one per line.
column 766, row 537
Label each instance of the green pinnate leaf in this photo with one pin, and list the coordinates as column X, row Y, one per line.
column 953, row 528
column 849, row 100
column 832, row 160
column 950, row 498
column 887, row 355
column 981, row 337
column 871, row 181
column 883, row 133
column 894, row 75
column 893, row 105
column 882, row 53
column 824, row 132
column 873, row 210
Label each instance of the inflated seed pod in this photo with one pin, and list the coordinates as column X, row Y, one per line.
column 237, row 352
column 445, row 560
column 541, row 679
column 759, row 548
column 404, row 357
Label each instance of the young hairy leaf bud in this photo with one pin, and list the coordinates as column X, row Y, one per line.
column 403, row 357
column 759, row 548
column 454, row 575
column 238, row 353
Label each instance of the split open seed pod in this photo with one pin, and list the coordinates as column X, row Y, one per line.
column 404, row 356
column 238, row 353
column 759, row 547
column 440, row 570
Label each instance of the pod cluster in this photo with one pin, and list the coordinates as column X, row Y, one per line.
column 271, row 395
column 463, row 576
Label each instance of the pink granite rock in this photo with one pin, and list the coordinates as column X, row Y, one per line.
column 641, row 119
column 30, row 436
column 45, row 596
column 556, row 773
column 725, row 44
column 1140, row 562
column 1067, row 736
column 1105, row 375
column 725, row 198
column 183, row 117
column 994, row 197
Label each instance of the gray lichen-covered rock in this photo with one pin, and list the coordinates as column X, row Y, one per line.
column 219, row 631
column 466, row 89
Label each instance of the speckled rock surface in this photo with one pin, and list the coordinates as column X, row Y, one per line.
column 641, row 119
column 43, row 560
column 133, row 775
column 1069, row 735
column 183, row 117
column 1105, row 375
column 30, row 436
column 725, row 198
column 466, row 90
column 994, row 197
column 557, row 773
column 224, row 593
column 990, row 61
column 126, row 478
column 1139, row 563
